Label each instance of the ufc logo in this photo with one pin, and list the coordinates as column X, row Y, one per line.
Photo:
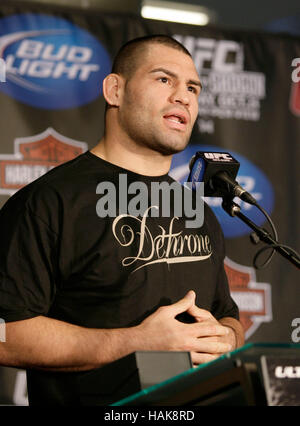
column 219, row 156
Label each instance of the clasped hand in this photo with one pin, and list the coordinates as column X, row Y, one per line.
column 206, row 339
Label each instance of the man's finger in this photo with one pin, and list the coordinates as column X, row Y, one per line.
column 199, row 313
column 183, row 305
column 208, row 329
column 209, row 346
column 198, row 359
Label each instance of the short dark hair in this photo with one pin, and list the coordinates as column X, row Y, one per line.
column 127, row 58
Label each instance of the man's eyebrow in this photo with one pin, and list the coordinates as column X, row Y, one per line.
column 172, row 74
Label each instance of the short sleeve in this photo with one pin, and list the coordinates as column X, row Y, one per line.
column 223, row 304
column 27, row 263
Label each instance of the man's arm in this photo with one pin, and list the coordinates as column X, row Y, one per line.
column 237, row 328
column 49, row 344
column 46, row 343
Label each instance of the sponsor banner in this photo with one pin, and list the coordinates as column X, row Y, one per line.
column 253, row 298
column 46, row 57
column 229, row 90
column 295, row 99
column 281, row 376
column 295, row 87
column 34, row 156
column 52, row 64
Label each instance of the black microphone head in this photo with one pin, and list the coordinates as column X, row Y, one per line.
column 205, row 166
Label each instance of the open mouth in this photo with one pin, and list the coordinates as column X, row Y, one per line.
column 176, row 120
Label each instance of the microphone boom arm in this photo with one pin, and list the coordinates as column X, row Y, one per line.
column 234, row 209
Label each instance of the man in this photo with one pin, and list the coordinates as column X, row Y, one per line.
column 78, row 291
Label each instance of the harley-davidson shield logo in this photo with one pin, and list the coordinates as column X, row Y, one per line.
column 34, row 156
column 295, row 98
column 252, row 298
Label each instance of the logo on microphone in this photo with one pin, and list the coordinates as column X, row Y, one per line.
column 250, row 177
column 50, row 62
column 218, row 156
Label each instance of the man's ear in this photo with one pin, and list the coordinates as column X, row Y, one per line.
column 112, row 89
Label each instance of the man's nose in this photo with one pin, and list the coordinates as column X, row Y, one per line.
column 180, row 95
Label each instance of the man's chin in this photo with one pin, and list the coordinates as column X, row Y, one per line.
column 166, row 149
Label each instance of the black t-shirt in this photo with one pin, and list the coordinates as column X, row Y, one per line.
column 59, row 259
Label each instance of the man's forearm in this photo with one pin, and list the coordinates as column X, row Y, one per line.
column 237, row 327
column 49, row 344
column 45, row 343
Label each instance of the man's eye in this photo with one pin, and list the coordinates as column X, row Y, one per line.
column 164, row 79
column 192, row 89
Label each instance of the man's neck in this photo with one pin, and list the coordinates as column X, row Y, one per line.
column 140, row 161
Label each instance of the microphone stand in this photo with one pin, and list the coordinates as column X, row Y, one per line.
column 234, row 209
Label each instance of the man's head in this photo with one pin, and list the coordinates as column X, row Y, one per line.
column 152, row 94
column 130, row 55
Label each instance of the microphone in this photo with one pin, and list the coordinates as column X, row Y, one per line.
column 218, row 170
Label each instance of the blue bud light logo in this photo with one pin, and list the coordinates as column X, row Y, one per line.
column 250, row 177
column 50, row 62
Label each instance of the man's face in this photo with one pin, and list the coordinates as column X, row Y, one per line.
column 160, row 102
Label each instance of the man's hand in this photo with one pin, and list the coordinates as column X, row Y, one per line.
column 213, row 336
column 206, row 339
column 54, row 345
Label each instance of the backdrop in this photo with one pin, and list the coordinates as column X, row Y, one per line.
column 53, row 61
